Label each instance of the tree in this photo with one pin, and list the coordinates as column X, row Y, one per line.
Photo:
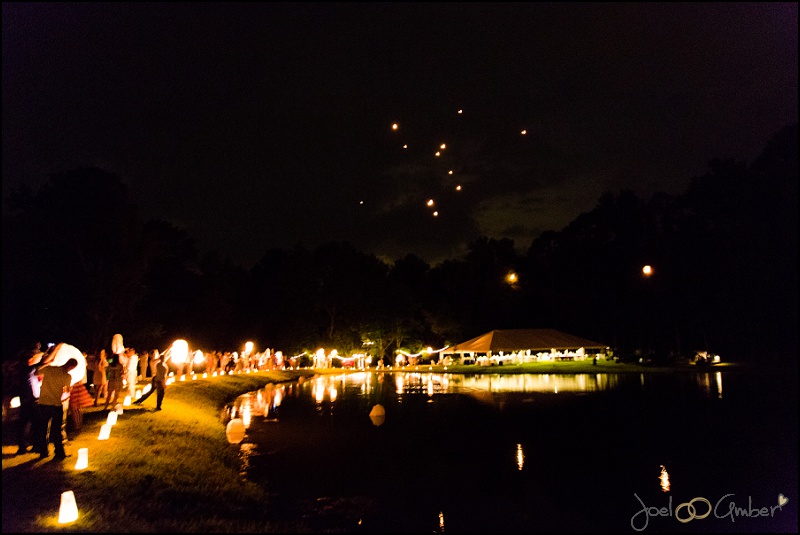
column 73, row 261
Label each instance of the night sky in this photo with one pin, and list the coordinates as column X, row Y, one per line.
column 255, row 126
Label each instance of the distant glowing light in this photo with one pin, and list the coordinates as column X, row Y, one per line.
column 405, row 146
column 435, row 214
column 458, row 188
column 395, row 126
column 450, row 172
column 360, row 202
column 512, row 277
column 443, row 146
column 438, row 153
column 430, row 202
column 524, row 132
column 460, row 112
column 647, row 270
column 664, row 477
column 520, row 457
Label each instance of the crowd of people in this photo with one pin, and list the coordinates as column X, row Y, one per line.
column 52, row 401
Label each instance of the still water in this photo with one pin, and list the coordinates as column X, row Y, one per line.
column 681, row 452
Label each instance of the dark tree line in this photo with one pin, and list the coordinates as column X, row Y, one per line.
column 79, row 265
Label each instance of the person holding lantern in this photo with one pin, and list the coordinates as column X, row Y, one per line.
column 56, row 383
column 159, row 383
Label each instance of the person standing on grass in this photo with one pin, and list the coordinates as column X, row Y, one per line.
column 79, row 399
column 101, row 378
column 56, row 383
column 159, row 383
column 154, row 363
column 28, row 385
column 115, row 376
column 132, row 371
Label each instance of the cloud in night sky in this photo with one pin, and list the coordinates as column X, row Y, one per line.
column 266, row 125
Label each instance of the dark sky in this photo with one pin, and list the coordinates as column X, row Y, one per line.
column 267, row 125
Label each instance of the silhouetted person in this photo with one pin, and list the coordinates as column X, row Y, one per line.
column 27, row 384
column 159, row 383
column 56, row 383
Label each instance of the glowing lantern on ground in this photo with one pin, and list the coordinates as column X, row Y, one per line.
column 235, row 431
column 105, row 432
column 68, row 512
column 112, row 418
column 83, row 459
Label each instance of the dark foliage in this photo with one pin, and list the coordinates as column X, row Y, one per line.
column 79, row 266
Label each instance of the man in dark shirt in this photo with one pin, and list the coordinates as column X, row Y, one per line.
column 159, row 383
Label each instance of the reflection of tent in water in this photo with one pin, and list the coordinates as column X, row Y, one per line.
column 527, row 342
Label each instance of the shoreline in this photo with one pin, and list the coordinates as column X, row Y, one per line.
column 139, row 479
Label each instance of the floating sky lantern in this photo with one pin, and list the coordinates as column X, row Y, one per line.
column 179, row 351
column 117, row 347
column 62, row 353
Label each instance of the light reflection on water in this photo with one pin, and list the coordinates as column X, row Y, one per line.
column 519, row 445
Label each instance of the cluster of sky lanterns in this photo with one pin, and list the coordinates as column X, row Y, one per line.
column 437, row 154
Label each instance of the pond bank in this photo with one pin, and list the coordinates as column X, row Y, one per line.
column 173, row 470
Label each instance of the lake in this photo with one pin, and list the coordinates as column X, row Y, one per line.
column 658, row 452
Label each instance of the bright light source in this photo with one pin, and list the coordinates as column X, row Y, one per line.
column 68, row 512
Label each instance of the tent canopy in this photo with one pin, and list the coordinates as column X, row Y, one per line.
column 523, row 340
